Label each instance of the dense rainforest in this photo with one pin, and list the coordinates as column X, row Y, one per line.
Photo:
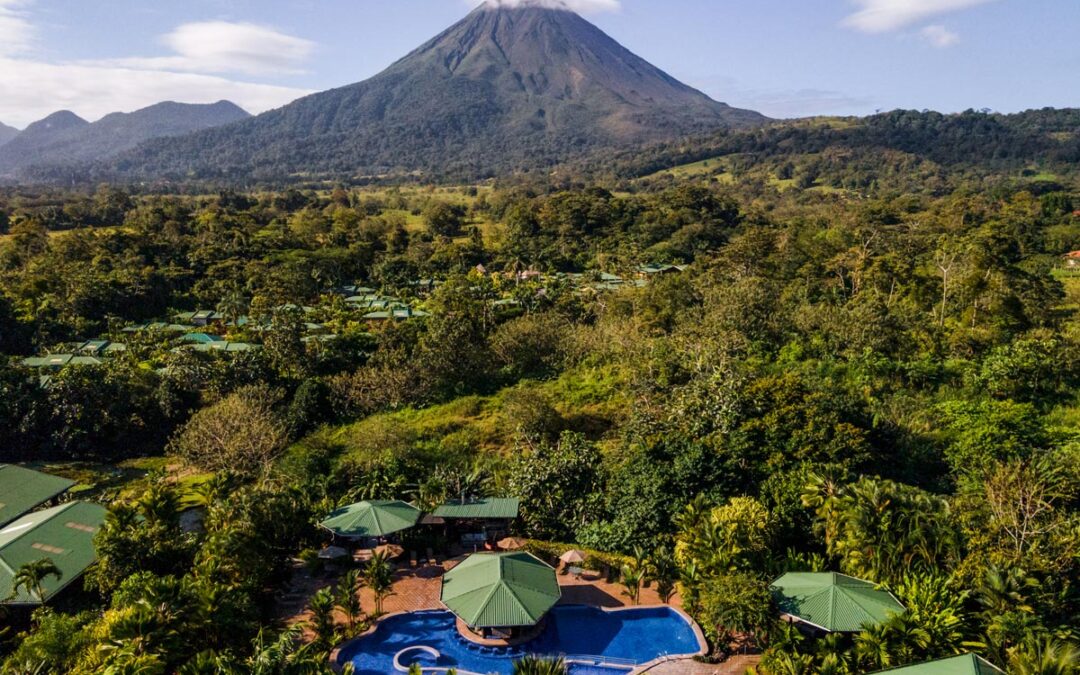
column 865, row 362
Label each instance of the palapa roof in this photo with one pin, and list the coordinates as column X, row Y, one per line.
column 501, row 590
column 23, row 490
column 968, row 664
column 372, row 519
column 834, row 602
column 64, row 535
column 493, row 508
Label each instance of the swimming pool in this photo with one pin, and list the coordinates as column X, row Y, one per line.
column 621, row 639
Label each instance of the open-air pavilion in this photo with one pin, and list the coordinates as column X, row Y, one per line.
column 476, row 523
column 830, row 602
column 500, row 595
column 371, row 520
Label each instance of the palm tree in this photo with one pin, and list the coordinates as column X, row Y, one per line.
column 379, row 577
column 233, row 306
column 322, row 618
column 1045, row 657
column 690, row 587
column 661, row 568
column 31, row 577
column 535, row 665
column 631, row 580
column 348, row 598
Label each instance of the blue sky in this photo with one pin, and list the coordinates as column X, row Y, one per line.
column 783, row 57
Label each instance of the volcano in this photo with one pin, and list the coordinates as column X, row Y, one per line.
column 507, row 89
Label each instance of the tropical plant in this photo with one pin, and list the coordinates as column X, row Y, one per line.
column 322, row 617
column 379, row 577
column 536, row 665
column 1045, row 657
column 348, row 598
column 31, row 576
column 631, row 577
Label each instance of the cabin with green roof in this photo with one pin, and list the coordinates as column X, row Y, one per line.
column 23, row 490
column 476, row 522
column 968, row 664
column 830, row 602
column 63, row 534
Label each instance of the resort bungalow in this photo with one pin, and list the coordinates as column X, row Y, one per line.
column 201, row 338
column 477, row 521
column 1071, row 260
column 395, row 313
column 63, row 534
column 222, row 346
column 57, row 362
column 23, row 490
column 968, row 664
column 650, row 271
column 100, row 348
column 200, row 318
column 500, row 596
column 372, row 520
column 828, row 602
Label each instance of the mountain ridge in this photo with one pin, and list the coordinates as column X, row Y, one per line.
column 7, row 133
column 64, row 138
column 503, row 90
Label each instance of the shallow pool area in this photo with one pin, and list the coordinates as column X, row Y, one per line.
column 593, row 641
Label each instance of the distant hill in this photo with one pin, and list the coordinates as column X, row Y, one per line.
column 7, row 133
column 64, row 138
column 504, row 90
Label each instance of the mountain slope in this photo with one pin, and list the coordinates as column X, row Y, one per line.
column 505, row 89
column 7, row 133
column 63, row 138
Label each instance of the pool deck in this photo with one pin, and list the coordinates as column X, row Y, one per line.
column 417, row 589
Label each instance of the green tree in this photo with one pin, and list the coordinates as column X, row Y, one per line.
column 31, row 577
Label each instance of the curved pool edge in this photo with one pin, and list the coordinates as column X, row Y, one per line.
column 703, row 645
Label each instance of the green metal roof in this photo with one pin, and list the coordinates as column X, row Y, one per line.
column 372, row 519
column 968, row 664
column 501, row 590
column 834, row 602
column 22, row 490
column 64, row 534
column 480, row 509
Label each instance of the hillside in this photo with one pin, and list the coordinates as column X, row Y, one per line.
column 504, row 90
column 64, row 139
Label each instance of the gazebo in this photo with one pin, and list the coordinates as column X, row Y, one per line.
column 498, row 595
column 371, row 519
column 968, row 664
column 833, row 603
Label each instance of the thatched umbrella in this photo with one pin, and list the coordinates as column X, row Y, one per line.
column 573, row 556
column 512, row 543
column 389, row 550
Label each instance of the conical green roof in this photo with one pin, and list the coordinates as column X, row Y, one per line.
column 501, row 590
column 834, row 602
column 968, row 664
column 372, row 519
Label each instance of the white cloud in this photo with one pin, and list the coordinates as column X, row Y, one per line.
column 225, row 47
column 939, row 36
column 16, row 32
column 201, row 53
column 32, row 90
column 583, row 6
column 882, row 16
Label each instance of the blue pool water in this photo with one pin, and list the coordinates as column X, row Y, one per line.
column 622, row 639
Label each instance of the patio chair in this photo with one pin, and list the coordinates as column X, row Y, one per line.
column 412, row 558
column 430, row 557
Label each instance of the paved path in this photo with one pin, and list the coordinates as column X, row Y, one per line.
column 737, row 665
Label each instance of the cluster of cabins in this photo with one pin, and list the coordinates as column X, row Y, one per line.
column 36, row 523
column 823, row 603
